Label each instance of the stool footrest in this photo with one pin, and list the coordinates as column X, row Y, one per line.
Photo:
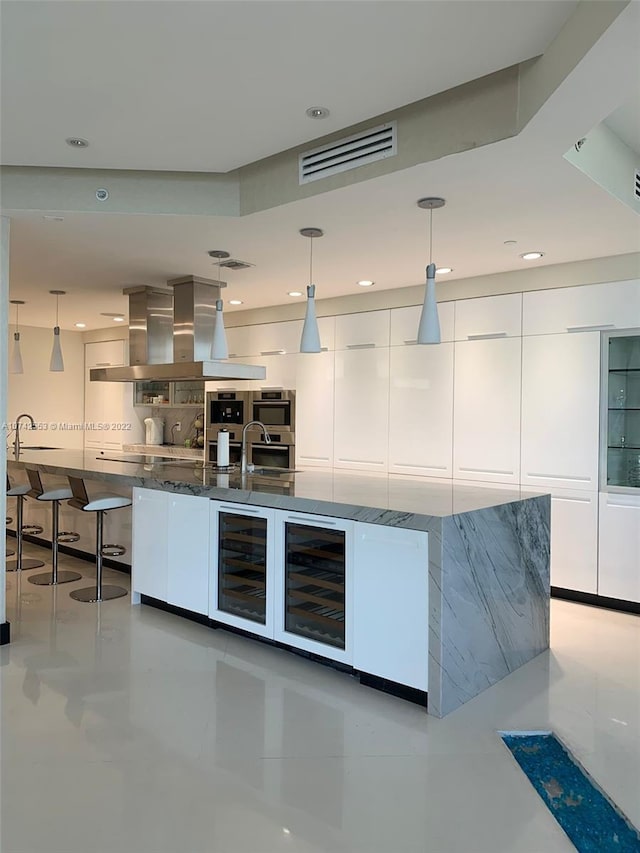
column 66, row 536
column 110, row 550
column 32, row 529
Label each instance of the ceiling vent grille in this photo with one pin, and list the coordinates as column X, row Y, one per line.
column 637, row 184
column 235, row 264
column 368, row 146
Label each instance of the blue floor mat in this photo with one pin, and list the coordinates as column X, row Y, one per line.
column 589, row 818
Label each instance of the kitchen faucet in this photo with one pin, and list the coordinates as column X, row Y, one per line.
column 16, row 443
column 173, row 435
column 243, row 451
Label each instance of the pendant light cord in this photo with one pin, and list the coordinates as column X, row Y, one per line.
column 17, row 318
column 311, row 260
column 57, row 299
column 431, row 236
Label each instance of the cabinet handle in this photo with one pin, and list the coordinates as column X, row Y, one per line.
column 272, row 387
column 485, row 471
column 273, row 352
column 237, row 509
column 305, row 519
column 411, row 343
column 103, row 364
column 233, row 355
column 595, row 328
column 559, row 477
column 487, row 336
column 360, row 346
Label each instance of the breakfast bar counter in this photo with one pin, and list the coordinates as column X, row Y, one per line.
column 457, row 574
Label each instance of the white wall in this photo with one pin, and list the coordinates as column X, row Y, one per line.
column 51, row 398
column 4, row 297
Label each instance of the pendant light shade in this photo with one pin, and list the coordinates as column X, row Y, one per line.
column 310, row 340
column 429, row 326
column 219, row 348
column 56, row 364
column 15, row 361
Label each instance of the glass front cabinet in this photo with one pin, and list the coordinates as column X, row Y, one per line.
column 621, row 411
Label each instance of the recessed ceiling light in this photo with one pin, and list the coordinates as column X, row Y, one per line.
column 366, row 283
column 295, row 293
column 532, row 256
column 81, row 325
column 317, row 112
column 235, row 302
column 443, row 270
column 77, row 142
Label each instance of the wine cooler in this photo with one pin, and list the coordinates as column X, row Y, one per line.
column 315, row 583
column 242, row 566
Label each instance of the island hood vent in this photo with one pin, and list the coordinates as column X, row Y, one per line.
column 179, row 351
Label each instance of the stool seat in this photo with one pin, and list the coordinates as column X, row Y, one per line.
column 102, row 503
column 16, row 491
column 56, row 495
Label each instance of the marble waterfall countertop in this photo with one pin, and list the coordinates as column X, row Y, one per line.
column 488, row 549
column 360, row 496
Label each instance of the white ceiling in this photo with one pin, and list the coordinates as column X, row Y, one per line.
column 210, row 86
column 519, row 189
column 625, row 122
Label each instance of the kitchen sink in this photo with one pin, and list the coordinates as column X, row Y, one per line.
column 271, row 472
column 37, row 447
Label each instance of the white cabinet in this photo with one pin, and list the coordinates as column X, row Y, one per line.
column 109, row 404
column 188, row 552
column 171, row 548
column 574, row 540
column 391, row 604
column 361, row 433
column 276, row 338
column 489, row 317
column 105, row 354
column 314, row 409
column 619, row 547
column 421, row 410
column 150, row 559
column 405, row 321
column 369, row 329
column 280, row 371
column 486, row 433
column 613, row 305
column 242, row 579
column 560, row 410
column 314, row 584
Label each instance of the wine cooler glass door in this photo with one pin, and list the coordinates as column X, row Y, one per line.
column 315, row 583
column 242, row 566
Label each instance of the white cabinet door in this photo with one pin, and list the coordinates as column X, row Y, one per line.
column 486, row 410
column 489, row 317
column 150, row 564
column 619, row 548
column 560, row 410
column 188, row 549
column 362, row 409
column 613, row 305
column 276, row 338
column 280, row 371
column 574, row 540
column 242, row 572
column 369, row 329
column 105, row 354
column 405, row 321
column 391, row 606
column 314, row 409
column 421, row 410
column 314, row 584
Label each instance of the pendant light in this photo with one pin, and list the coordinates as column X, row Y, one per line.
column 429, row 327
column 219, row 348
column 15, row 362
column 310, row 341
column 56, row 365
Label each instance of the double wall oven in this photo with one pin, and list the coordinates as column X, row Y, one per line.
column 233, row 410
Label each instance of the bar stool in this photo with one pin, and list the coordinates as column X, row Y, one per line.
column 54, row 496
column 7, row 551
column 19, row 493
column 100, row 504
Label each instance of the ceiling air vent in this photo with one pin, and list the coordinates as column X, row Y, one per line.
column 376, row 143
column 235, row 264
column 637, row 184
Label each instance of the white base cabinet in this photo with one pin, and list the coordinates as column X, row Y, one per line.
column 171, row 546
column 391, row 604
column 619, row 547
column 314, row 409
column 574, row 540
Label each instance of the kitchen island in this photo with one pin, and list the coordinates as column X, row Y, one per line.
column 445, row 586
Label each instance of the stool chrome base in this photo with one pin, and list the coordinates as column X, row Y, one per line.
column 90, row 594
column 27, row 563
column 48, row 579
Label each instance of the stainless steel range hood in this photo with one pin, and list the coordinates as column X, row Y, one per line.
column 153, row 341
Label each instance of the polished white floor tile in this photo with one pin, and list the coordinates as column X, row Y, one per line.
column 129, row 730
